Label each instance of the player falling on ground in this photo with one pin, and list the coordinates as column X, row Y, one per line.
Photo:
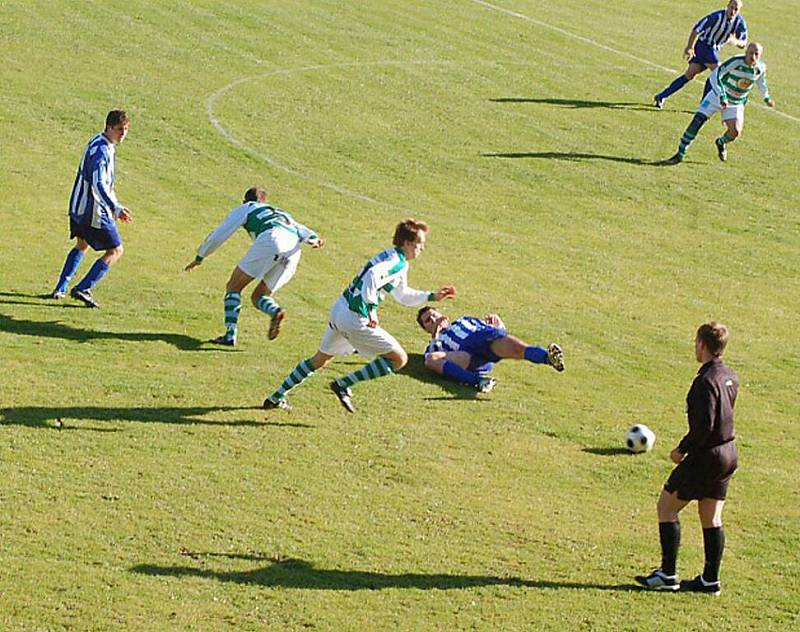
column 272, row 258
column 353, row 321
column 467, row 349
column 702, row 50
column 731, row 84
column 94, row 211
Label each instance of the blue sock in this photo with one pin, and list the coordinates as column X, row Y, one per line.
column 673, row 87
column 537, row 355
column 454, row 372
column 94, row 276
column 74, row 259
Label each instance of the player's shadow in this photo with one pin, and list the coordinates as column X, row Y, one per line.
column 294, row 573
column 578, row 103
column 574, row 156
column 43, row 300
column 417, row 370
column 57, row 329
column 607, row 451
column 66, row 416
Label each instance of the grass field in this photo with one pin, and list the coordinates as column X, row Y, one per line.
column 142, row 486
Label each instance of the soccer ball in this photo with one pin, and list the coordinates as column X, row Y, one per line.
column 639, row 439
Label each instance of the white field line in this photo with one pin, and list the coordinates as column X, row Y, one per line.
column 592, row 42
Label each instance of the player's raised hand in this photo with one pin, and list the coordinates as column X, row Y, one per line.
column 446, row 292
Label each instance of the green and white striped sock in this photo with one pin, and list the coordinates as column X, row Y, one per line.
column 267, row 305
column 297, row 376
column 375, row 369
column 233, row 305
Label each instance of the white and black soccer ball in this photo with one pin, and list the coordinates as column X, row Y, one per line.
column 639, row 439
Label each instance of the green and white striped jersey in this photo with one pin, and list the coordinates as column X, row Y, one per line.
column 256, row 218
column 385, row 273
column 734, row 79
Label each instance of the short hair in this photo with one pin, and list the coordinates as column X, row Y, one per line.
column 714, row 336
column 422, row 311
column 255, row 194
column 115, row 117
column 408, row 230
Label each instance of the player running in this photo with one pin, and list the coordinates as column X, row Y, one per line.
column 353, row 321
column 273, row 258
column 709, row 35
column 731, row 84
column 467, row 349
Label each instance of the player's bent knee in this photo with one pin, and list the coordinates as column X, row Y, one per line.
column 398, row 358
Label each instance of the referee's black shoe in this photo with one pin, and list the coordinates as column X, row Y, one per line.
column 658, row 580
column 698, row 584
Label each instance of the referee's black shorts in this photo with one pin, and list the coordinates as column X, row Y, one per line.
column 705, row 474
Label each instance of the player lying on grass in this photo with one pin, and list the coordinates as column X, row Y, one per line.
column 272, row 258
column 353, row 320
column 731, row 84
column 467, row 349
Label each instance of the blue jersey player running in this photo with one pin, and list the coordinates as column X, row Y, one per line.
column 467, row 349
column 702, row 50
column 93, row 211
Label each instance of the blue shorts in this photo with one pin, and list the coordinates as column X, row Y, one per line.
column 704, row 54
column 103, row 238
column 479, row 346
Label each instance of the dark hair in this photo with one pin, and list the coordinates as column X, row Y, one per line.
column 714, row 336
column 422, row 311
column 408, row 230
column 255, row 194
column 115, row 117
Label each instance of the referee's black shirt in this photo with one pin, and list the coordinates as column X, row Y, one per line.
column 709, row 405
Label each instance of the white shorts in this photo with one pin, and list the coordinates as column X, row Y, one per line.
column 710, row 105
column 273, row 258
column 348, row 332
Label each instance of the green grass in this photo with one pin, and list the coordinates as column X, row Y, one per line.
column 169, row 500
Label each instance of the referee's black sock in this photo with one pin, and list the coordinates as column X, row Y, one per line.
column 670, row 536
column 714, row 544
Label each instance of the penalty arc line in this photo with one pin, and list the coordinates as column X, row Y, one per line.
column 592, row 42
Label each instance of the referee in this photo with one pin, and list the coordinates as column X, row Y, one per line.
column 706, row 459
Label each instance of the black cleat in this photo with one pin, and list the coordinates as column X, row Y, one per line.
column 223, row 340
column 275, row 324
column 698, row 584
column 674, row 160
column 85, row 297
column 270, row 404
column 345, row 396
column 722, row 150
column 658, row 103
column 658, row 580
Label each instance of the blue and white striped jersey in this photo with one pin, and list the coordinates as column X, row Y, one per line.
column 461, row 335
column 715, row 29
column 93, row 201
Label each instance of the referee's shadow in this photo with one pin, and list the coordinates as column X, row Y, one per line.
column 580, row 104
column 416, row 369
column 574, row 156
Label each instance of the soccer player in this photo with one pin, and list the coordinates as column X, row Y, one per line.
column 272, row 258
column 467, row 349
column 706, row 459
column 705, row 40
column 353, row 321
column 731, row 84
column 93, row 211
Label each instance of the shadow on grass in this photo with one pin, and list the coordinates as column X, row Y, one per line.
column 48, row 302
column 56, row 329
column 52, row 416
column 607, row 451
column 575, row 157
column 584, row 103
column 293, row 573
column 416, row 369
